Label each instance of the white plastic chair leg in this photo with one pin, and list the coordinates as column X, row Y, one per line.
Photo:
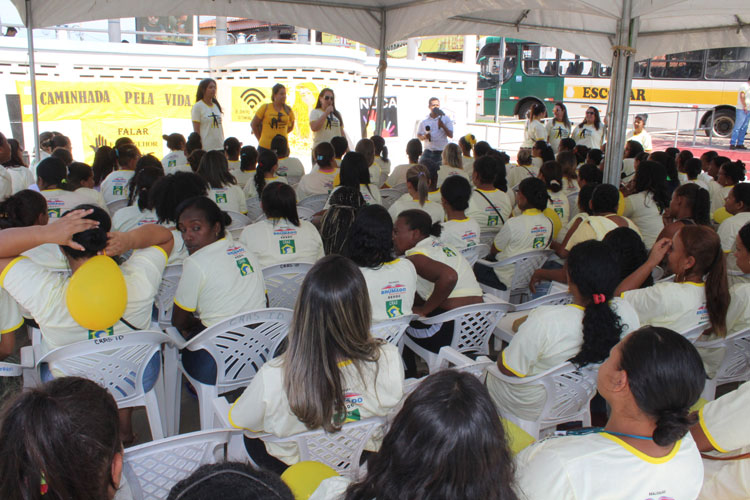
column 172, row 379
column 206, row 396
column 155, row 417
column 709, row 390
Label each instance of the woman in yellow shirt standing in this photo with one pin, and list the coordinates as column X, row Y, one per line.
column 273, row 118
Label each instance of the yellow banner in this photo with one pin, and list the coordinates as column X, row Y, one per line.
column 247, row 100
column 106, row 100
column 675, row 96
column 453, row 43
column 146, row 134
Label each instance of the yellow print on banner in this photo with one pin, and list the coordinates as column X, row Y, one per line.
column 146, row 134
column 675, row 96
column 106, row 100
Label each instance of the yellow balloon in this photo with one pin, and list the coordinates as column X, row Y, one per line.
column 303, row 478
column 97, row 295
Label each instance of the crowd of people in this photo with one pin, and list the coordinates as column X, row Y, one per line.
column 644, row 262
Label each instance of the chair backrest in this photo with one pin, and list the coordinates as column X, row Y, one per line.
column 695, row 332
column 389, row 195
column 524, row 266
column 573, row 201
column 472, row 325
column 476, row 252
column 293, row 180
column 240, row 345
column 393, row 329
column 117, row 362
column 164, row 300
column 239, row 221
column 283, row 282
column 305, row 213
column 383, row 178
column 449, row 358
column 569, row 390
column 339, row 450
column 114, row 206
column 553, row 299
column 254, row 211
column 315, row 202
column 151, row 469
column 487, row 238
column 735, row 366
column 401, row 188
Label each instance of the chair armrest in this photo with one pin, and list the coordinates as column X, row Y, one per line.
column 10, row 370
column 221, row 415
column 489, row 263
column 449, row 356
column 176, row 337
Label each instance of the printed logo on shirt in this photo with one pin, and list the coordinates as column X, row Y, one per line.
column 244, row 266
column 171, row 163
column 702, row 313
column 559, row 212
column 148, row 220
column 221, row 198
column 538, row 242
column 287, row 247
column 469, row 237
column 393, row 308
column 447, row 251
column 97, row 334
column 53, row 212
column 493, row 220
column 118, row 190
column 352, row 402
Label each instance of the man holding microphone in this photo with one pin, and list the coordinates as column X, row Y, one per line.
column 435, row 130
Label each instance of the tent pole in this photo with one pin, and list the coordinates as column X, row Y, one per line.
column 621, row 81
column 382, row 65
column 32, row 75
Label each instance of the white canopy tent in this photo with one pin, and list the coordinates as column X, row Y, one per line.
column 616, row 32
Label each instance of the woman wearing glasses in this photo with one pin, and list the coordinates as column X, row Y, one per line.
column 325, row 120
column 590, row 131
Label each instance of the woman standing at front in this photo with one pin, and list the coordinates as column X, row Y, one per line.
column 206, row 116
column 273, row 118
column 325, row 120
column 590, row 131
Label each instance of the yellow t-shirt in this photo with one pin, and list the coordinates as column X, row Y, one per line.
column 274, row 123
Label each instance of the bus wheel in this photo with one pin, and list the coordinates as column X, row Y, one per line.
column 723, row 123
column 525, row 107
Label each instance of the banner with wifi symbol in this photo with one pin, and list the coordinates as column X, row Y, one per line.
column 247, row 100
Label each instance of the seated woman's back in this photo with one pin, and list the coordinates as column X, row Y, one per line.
column 330, row 332
column 282, row 236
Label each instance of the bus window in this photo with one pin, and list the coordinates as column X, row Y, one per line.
column 683, row 65
column 488, row 61
column 605, row 71
column 728, row 64
column 539, row 60
column 639, row 70
column 574, row 65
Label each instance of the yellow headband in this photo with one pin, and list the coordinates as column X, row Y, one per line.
column 470, row 139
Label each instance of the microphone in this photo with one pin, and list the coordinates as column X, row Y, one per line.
column 427, row 128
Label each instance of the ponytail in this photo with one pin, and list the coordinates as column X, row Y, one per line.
column 419, row 178
column 595, row 271
column 699, row 201
column 436, row 229
column 22, row 209
column 552, row 173
column 703, row 244
column 267, row 159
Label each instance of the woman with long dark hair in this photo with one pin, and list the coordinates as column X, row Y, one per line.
column 649, row 201
column 325, row 120
column 273, row 118
column 206, row 116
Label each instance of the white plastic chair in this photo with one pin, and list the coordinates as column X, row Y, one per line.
column 657, row 273
column 315, row 202
column 573, row 203
column 383, row 178
column 487, row 238
column 388, row 196
column 735, row 365
column 504, row 330
column 293, row 180
column 117, row 363
column 239, row 346
column 692, row 334
column 164, row 300
column 451, row 358
column 10, row 370
column 151, row 469
column 476, row 252
column 569, row 391
column 239, row 221
column 392, row 330
column 524, row 266
column 114, row 206
column 305, row 213
column 254, row 211
column 339, row 450
column 472, row 328
column 283, row 282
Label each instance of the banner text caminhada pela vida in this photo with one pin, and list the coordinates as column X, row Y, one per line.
column 108, row 110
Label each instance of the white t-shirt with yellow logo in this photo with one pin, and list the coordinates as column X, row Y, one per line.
column 406, row 202
column 316, row 182
column 460, row 234
column 115, row 186
column 677, row 306
column 132, row 217
column 60, row 201
column 532, row 230
column 644, row 212
column 42, row 292
column 483, row 212
column 264, row 406
column 276, row 241
column 220, row 280
column 391, row 288
column 229, row 198
column 466, row 286
column 601, row 466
